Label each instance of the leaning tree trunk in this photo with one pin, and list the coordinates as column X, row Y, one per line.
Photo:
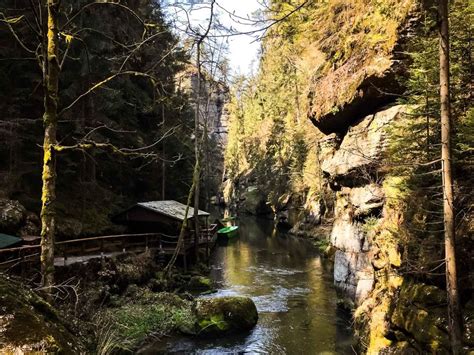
column 196, row 133
column 454, row 314
column 163, row 161
column 50, row 119
column 184, row 225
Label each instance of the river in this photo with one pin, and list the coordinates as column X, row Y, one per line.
column 292, row 288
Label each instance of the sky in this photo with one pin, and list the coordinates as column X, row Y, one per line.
column 243, row 49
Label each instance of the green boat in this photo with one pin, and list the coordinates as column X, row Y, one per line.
column 228, row 232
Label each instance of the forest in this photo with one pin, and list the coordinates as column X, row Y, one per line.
column 156, row 196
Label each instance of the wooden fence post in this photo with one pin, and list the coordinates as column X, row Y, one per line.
column 22, row 266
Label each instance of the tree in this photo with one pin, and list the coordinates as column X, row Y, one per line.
column 454, row 312
column 197, row 151
column 50, row 120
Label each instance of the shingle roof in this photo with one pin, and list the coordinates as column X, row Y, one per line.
column 8, row 240
column 170, row 208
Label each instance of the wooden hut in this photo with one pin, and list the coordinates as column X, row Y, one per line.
column 160, row 216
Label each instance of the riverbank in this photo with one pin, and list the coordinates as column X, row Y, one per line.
column 114, row 305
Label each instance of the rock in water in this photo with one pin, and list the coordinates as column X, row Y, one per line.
column 223, row 315
column 28, row 324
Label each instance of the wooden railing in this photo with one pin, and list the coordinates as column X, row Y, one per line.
column 104, row 245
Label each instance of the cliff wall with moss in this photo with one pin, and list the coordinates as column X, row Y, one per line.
column 336, row 136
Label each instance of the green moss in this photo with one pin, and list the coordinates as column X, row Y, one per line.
column 225, row 315
column 421, row 312
column 396, row 190
column 322, row 245
column 199, row 283
column 369, row 224
column 216, row 320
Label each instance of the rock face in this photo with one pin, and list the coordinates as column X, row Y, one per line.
column 361, row 151
column 354, row 169
column 32, row 225
column 225, row 315
column 420, row 313
column 16, row 220
column 245, row 196
column 252, row 201
column 28, row 324
column 359, row 83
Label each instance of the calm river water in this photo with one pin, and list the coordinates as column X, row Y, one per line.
column 292, row 288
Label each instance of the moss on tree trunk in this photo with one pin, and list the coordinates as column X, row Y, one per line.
column 50, row 119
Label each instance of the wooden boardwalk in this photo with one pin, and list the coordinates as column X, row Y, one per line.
column 84, row 249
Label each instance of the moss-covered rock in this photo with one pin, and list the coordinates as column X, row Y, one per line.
column 199, row 283
column 421, row 313
column 12, row 215
column 223, row 315
column 29, row 324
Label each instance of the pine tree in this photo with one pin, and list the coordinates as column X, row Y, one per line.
column 454, row 307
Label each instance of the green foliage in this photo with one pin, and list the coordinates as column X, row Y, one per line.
column 422, row 89
column 312, row 64
column 415, row 141
column 268, row 134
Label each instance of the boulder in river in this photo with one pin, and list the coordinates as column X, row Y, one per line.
column 223, row 315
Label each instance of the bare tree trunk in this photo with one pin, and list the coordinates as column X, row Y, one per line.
column 454, row 314
column 205, row 143
column 196, row 132
column 197, row 152
column 163, row 162
column 50, row 119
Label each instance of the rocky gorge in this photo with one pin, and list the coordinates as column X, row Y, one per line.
column 358, row 223
column 355, row 133
column 350, row 189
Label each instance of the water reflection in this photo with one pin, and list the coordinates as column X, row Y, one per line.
column 292, row 291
